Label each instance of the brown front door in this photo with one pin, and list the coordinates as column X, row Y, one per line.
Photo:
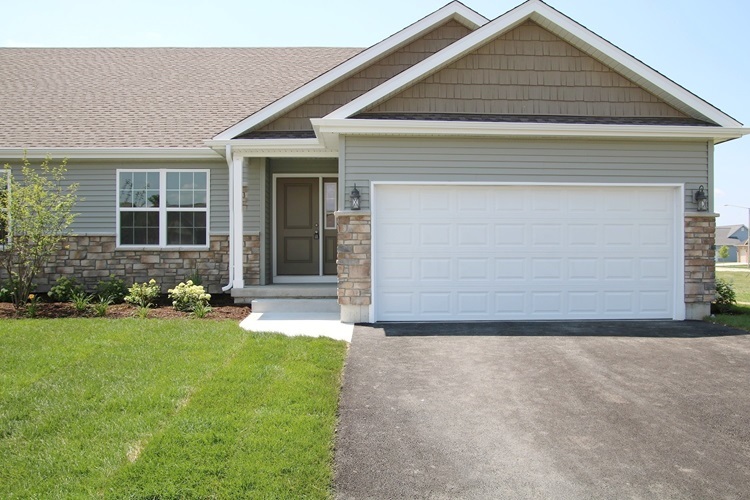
column 297, row 227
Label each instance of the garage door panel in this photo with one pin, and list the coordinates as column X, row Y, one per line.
column 473, row 236
column 570, row 252
column 437, row 303
column 510, row 235
column 654, row 269
column 435, row 269
column 546, row 303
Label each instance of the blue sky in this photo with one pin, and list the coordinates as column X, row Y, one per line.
column 701, row 45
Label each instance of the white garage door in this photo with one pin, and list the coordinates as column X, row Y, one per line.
column 454, row 253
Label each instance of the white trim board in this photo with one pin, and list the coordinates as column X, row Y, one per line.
column 574, row 33
column 454, row 10
column 113, row 153
column 328, row 127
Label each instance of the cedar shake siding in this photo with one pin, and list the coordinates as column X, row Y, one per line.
column 528, row 71
column 369, row 78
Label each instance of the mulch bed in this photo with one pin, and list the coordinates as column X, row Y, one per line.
column 222, row 308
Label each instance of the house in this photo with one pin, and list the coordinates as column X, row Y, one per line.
column 735, row 239
column 461, row 169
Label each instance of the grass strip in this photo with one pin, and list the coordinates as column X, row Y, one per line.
column 164, row 408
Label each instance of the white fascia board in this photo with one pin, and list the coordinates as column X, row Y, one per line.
column 494, row 129
column 312, row 148
column 113, row 153
column 548, row 17
column 455, row 10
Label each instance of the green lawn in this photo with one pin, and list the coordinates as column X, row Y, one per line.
column 740, row 282
column 164, row 409
column 739, row 318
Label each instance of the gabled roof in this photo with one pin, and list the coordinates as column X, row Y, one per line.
column 725, row 236
column 567, row 29
column 454, row 10
column 143, row 97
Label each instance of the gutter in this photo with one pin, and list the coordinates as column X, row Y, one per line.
column 232, row 236
column 111, row 153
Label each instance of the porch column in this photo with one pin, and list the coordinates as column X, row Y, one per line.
column 238, row 279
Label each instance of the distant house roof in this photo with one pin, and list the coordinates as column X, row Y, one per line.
column 144, row 97
column 726, row 236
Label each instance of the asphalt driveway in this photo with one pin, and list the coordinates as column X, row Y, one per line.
column 546, row 410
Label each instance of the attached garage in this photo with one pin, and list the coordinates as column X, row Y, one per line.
column 458, row 252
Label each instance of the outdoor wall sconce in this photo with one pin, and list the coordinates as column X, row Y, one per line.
column 701, row 198
column 355, row 198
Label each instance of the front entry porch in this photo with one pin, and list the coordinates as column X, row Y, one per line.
column 247, row 294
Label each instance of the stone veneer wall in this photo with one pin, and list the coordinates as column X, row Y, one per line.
column 90, row 259
column 353, row 259
column 251, row 251
column 700, row 267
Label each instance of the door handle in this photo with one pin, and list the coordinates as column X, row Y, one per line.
column 316, row 235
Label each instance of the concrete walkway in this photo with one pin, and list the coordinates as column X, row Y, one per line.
column 545, row 410
column 310, row 324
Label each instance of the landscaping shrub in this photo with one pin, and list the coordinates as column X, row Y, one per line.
column 6, row 295
column 201, row 310
column 100, row 307
column 31, row 307
column 195, row 277
column 64, row 289
column 186, row 296
column 725, row 296
column 143, row 294
column 81, row 301
column 112, row 288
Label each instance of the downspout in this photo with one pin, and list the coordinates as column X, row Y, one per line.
column 232, row 236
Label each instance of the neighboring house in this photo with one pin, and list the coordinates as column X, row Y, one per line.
column 519, row 168
column 735, row 239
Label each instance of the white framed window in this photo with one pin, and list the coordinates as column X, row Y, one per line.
column 330, row 191
column 162, row 208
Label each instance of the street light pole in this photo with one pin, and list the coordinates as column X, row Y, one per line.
column 748, row 230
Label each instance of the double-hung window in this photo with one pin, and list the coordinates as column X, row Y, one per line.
column 162, row 208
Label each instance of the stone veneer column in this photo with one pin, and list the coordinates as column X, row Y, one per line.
column 251, row 258
column 354, row 261
column 700, row 266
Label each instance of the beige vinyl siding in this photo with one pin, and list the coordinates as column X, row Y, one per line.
column 523, row 160
column 528, row 71
column 369, row 78
column 98, row 197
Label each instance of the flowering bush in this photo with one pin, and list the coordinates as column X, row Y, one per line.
column 143, row 294
column 186, row 296
column 64, row 290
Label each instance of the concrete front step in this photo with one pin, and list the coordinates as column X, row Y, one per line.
column 295, row 306
column 284, row 291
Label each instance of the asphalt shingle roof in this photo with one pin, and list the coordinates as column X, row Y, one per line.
column 723, row 236
column 144, row 97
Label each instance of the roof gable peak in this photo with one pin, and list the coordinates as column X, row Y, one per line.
column 570, row 31
column 454, row 10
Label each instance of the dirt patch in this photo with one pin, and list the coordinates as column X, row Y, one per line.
column 222, row 308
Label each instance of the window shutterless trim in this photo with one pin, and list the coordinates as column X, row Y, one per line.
column 162, row 209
